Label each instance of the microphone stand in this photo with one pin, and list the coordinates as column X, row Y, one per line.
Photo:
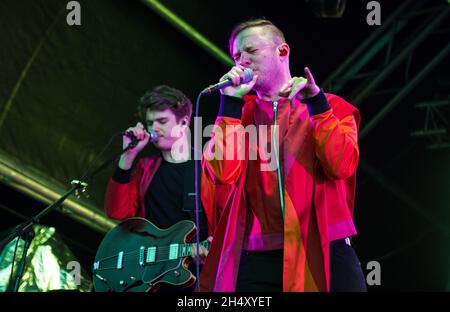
column 25, row 230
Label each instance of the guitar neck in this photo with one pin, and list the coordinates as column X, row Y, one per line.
column 152, row 255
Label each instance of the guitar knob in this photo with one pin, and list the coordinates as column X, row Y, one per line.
column 176, row 273
column 123, row 283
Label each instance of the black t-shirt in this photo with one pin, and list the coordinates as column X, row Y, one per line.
column 164, row 196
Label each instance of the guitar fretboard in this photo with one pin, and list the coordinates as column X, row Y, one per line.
column 150, row 255
column 155, row 254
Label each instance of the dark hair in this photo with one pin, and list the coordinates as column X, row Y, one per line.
column 259, row 22
column 163, row 97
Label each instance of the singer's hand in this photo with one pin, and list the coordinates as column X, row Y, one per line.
column 299, row 87
column 126, row 160
column 238, row 90
column 141, row 134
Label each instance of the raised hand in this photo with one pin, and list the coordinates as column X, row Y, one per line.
column 300, row 87
column 126, row 159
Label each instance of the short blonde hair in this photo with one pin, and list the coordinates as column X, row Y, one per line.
column 259, row 22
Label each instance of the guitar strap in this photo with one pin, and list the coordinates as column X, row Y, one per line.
column 189, row 198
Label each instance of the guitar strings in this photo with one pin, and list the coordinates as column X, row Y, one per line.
column 161, row 254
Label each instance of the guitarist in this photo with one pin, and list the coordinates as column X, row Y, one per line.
column 160, row 188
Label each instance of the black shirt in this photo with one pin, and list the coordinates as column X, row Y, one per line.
column 164, row 196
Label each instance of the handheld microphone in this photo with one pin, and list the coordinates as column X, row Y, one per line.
column 153, row 136
column 248, row 76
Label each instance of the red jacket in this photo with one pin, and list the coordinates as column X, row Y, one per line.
column 320, row 160
column 126, row 200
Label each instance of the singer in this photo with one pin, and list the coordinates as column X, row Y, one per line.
column 297, row 239
column 158, row 187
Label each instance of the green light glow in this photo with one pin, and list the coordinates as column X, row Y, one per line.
column 188, row 30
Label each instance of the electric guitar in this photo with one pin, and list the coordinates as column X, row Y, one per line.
column 137, row 256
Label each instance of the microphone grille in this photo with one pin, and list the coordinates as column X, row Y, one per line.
column 153, row 135
column 248, row 75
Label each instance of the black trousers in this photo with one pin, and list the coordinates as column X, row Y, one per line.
column 260, row 271
column 263, row 270
column 346, row 274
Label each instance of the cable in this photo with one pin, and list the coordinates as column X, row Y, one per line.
column 87, row 173
column 197, row 191
column 275, row 148
column 12, row 263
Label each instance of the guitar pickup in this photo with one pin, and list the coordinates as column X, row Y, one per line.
column 151, row 255
column 173, row 251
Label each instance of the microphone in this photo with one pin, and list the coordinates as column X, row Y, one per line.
column 248, row 76
column 134, row 140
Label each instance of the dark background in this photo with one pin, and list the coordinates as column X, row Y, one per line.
column 84, row 81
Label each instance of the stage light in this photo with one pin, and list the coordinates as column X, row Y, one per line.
column 328, row 8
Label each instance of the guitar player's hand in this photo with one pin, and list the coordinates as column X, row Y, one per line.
column 202, row 250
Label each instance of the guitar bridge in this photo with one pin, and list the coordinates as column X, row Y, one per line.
column 120, row 261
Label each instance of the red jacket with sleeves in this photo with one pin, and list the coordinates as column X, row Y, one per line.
column 320, row 157
column 126, row 200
